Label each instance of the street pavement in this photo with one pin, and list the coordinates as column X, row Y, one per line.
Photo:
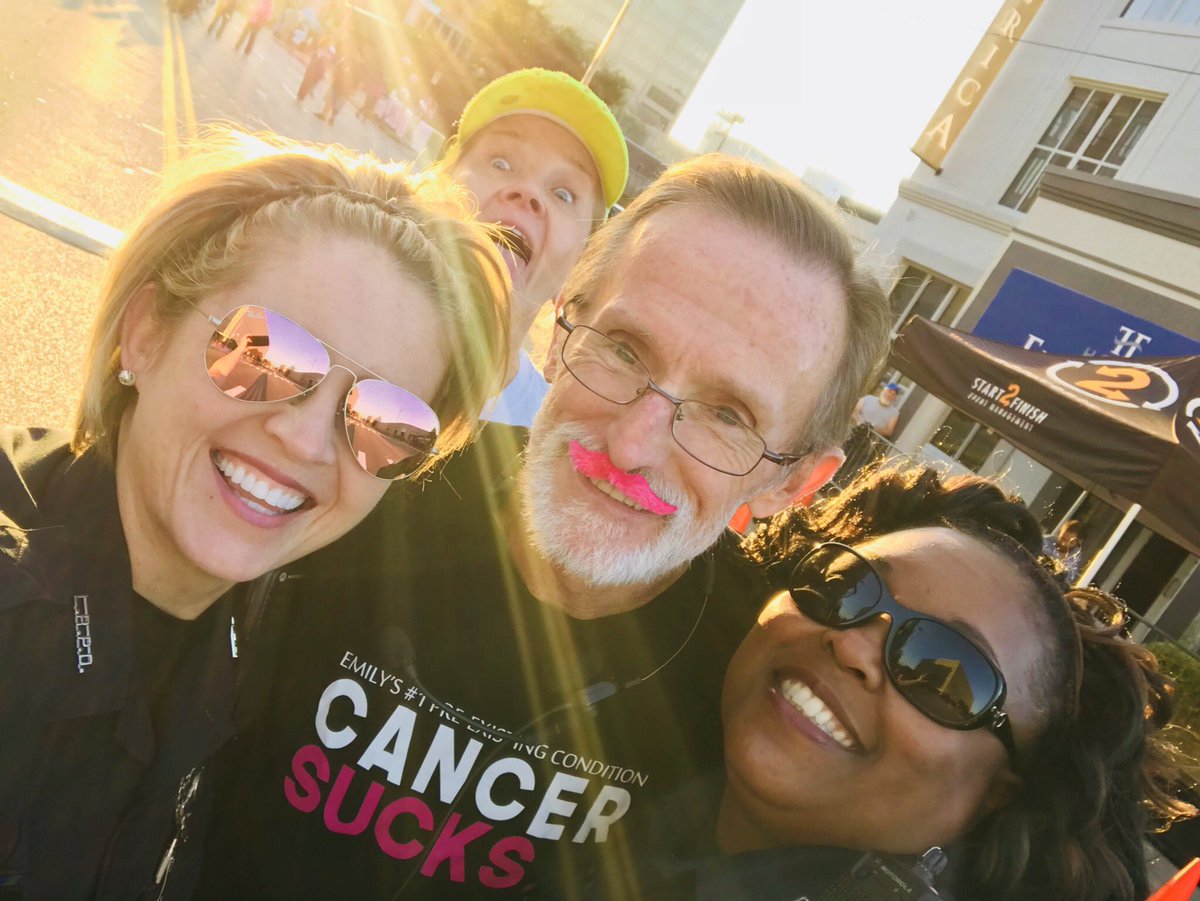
column 97, row 98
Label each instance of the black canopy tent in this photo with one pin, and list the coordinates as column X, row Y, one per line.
column 1129, row 425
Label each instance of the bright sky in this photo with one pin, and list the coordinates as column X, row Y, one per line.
column 843, row 86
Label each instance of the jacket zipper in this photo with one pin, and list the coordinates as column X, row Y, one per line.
column 184, row 796
column 255, row 606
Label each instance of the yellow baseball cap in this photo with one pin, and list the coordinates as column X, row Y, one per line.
column 569, row 103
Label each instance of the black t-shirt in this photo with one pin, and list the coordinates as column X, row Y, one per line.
column 161, row 643
column 433, row 730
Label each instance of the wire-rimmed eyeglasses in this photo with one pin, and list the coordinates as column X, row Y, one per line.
column 713, row 435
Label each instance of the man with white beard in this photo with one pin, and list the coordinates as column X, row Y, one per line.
column 479, row 689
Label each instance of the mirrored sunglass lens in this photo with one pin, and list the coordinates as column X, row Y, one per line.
column 834, row 586
column 391, row 432
column 940, row 672
column 259, row 356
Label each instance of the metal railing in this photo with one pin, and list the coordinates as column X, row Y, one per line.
column 864, row 448
column 1143, row 631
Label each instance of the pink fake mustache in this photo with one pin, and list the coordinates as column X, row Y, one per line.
column 597, row 465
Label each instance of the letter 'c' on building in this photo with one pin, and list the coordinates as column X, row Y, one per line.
column 968, row 90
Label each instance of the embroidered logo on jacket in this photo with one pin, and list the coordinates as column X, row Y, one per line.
column 83, row 633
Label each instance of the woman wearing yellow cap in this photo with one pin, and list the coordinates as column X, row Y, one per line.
column 545, row 158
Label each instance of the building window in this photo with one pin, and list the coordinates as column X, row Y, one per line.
column 662, row 98
column 652, row 117
column 1177, row 12
column 1094, row 131
column 963, row 439
column 432, row 24
column 921, row 293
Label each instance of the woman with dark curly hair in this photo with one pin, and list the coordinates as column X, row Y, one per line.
column 924, row 679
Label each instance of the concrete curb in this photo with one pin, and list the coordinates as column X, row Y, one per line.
column 57, row 220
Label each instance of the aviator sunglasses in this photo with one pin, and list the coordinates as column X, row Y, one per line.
column 934, row 666
column 260, row 357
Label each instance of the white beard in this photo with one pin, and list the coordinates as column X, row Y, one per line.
column 586, row 544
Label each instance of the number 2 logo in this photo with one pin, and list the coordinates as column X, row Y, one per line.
column 1118, row 381
column 1124, row 385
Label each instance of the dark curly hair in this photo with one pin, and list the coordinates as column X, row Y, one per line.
column 1100, row 775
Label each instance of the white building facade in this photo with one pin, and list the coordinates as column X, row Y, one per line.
column 1107, row 94
column 662, row 47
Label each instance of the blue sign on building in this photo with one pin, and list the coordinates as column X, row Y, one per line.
column 1037, row 314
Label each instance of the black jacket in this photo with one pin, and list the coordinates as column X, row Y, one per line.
column 680, row 861
column 100, row 736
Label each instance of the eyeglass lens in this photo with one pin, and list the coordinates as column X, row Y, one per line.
column 938, row 670
column 259, row 356
column 712, row 435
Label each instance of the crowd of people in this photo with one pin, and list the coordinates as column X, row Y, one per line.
column 238, row 662
column 335, row 54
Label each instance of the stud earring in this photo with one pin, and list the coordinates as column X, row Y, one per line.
column 127, row 377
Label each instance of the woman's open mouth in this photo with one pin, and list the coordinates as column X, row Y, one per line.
column 515, row 248
column 509, row 237
column 258, row 491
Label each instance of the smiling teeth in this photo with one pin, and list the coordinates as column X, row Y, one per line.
column 275, row 497
column 802, row 698
column 616, row 494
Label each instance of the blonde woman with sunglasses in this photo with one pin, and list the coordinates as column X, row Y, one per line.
column 285, row 332
column 921, row 678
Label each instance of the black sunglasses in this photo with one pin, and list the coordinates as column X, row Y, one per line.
column 933, row 665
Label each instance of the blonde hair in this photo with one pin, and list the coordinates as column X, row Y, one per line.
column 782, row 210
column 236, row 194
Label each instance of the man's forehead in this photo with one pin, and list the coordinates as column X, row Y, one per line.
column 694, row 282
column 728, row 275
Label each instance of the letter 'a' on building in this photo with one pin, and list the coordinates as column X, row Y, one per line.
column 973, row 81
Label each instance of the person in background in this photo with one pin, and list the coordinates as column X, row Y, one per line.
column 919, row 678
column 545, row 159
column 221, row 16
column 879, row 412
column 282, row 334
column 875, row 417
column 256, row 21
column 1066, row 547
column 343, row 81
column 323, row 56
